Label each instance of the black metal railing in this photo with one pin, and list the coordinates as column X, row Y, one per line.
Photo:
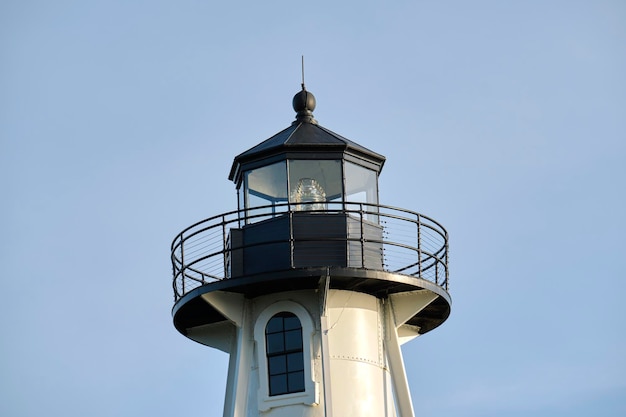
column 408, row 243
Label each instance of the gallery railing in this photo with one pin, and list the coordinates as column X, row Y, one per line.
column 408, row 243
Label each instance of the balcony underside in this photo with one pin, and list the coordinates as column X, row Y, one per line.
column 191, row 310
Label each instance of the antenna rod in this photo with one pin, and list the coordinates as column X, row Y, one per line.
column 303, row 72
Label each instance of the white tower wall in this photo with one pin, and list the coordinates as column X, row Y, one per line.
column 352, row 360
column 360, row 380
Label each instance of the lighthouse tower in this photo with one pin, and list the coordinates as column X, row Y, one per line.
column 311, row 285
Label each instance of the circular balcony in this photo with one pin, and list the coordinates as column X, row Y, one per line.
column 289, row 240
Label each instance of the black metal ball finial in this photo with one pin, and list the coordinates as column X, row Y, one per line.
column 303, row 101
column 304, row 104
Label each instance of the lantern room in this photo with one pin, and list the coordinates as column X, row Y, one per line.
column 305, row 167
column 310, row 184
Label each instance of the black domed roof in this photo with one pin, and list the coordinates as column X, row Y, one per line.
column 306, row 139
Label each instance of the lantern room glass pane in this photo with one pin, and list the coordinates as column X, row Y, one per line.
column 265, row 186
column 361, row 184
column 362, row 187
column 314, row 182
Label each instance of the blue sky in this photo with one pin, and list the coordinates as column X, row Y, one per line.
column 505, row 121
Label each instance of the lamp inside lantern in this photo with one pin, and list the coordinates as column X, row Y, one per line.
column 309, row 195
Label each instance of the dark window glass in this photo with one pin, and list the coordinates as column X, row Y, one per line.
column 277, row 365
column 275, row 325
column 275, row 343
column 295, row 381
column 278, row 384
column 295, row 362
column 285, row 358
column 292, row 323
column 293, row 340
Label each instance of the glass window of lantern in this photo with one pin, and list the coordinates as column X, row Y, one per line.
column 362, row 187
column 314, row 183
column 265, row 188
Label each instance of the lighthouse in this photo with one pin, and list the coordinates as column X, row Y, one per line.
column 311, row 285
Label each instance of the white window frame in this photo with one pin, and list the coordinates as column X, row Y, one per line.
column 310, row 395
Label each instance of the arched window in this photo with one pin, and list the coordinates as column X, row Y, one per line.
column 285, row 358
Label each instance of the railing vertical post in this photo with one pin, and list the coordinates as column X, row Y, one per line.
column 362, row 237
column 446, row 264
column 291, row 239
column 174, row 281
column 419, row 246
column 182, row 263
column 225, row 245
